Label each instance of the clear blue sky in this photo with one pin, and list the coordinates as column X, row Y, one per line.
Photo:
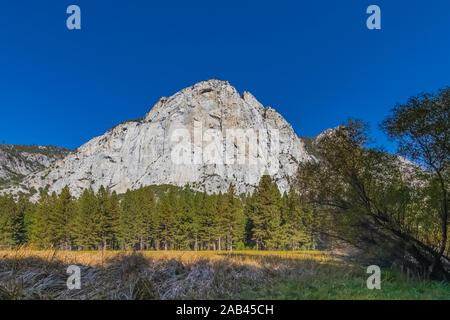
column 314, row 61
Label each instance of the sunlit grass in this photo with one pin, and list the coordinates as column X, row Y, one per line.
column 95, row 258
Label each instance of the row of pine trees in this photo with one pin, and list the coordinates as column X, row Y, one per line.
column 159, row 218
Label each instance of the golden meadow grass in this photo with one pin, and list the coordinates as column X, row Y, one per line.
column 105, row 258
column 30, row 274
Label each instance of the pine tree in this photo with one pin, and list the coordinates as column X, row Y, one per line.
column 87, row 222
column 184, row 233
column 12, row 229
column 295, row 219
column 166, row 218
column 249, row 212
column 109, row 216
column 233, row 218
column 197, row 220
column 28, row 208
column 61, row 219
column 267, row 231
column 208, row 221
column 41, row 233
column 127, row 220
column 146, row 209
column 139, row 218
column 221, row 226
column 113, row 209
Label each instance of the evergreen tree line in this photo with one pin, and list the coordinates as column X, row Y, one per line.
column 159, row 218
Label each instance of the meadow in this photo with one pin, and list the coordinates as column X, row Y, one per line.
column 28, row 274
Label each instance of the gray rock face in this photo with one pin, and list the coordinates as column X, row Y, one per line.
column 206, row 135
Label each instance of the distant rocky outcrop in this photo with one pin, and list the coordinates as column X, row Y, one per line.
column 18, row 161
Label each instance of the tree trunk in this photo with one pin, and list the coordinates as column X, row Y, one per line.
column 231, row 239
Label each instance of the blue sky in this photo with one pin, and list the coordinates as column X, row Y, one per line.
column 314, row 61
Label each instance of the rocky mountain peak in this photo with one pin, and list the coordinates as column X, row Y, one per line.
column 206, row 135
column 210, row 95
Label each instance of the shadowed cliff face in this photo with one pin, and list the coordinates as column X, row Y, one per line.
column 206, row 135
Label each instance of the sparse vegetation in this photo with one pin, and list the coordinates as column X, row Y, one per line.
column 50, row 151
column 309, row 145
column 22, row 154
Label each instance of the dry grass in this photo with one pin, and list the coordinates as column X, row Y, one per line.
column 27, row 274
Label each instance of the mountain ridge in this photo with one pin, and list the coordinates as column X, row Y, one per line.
column 139, row 152
column 17, row 161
